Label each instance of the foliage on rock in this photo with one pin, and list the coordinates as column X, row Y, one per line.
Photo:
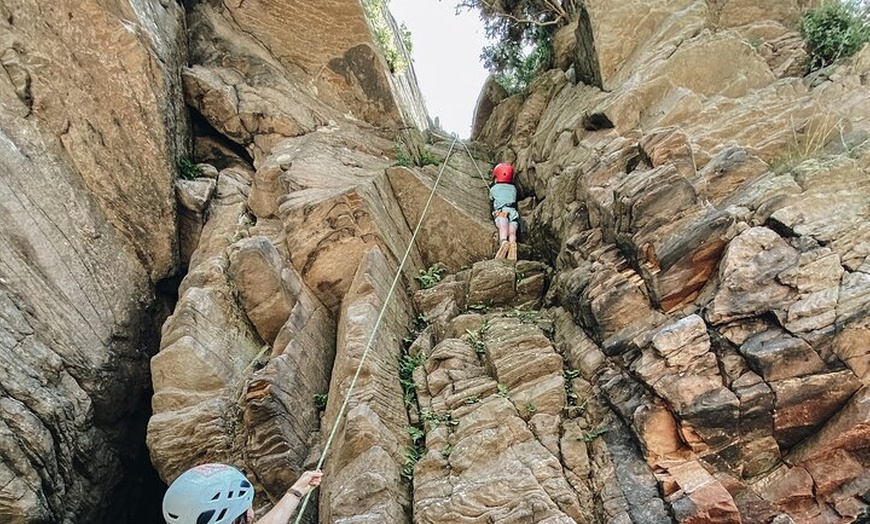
column 386, row 38
column 834, row 30
column 521, row 32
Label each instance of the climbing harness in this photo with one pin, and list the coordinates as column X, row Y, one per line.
column 376, row 326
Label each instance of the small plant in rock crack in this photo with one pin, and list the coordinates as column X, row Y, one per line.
column 525, row 316
column 446, row 450
column 573, row 409
column 320, row 400
column 474, row 399
column 476, row 338
column 421, row 322
column 480, row 308
column 428, row 158
column 502, row 390
column 187, row 169
column 403, row 156
column 530, row 407
column 412, row 456
column 589, row 436
column 414, row 452
column 431, row 276
column 407, row 365
column 435, row 419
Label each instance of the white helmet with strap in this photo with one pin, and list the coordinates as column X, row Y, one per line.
column 207, row 494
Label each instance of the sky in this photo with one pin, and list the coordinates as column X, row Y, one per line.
column 446, row 55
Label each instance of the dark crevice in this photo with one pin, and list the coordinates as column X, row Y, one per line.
column 220, row 151
column 597, row 121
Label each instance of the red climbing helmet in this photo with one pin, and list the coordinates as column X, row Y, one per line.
column 503, row 173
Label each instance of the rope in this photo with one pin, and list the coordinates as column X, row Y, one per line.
column 474, row 162
column 375, row 329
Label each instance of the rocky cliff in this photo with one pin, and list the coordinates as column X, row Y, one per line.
column 685, row 337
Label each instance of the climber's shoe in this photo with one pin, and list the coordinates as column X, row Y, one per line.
column 512, row 251
column 503, row 250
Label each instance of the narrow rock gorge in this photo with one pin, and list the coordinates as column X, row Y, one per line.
column 207, row 212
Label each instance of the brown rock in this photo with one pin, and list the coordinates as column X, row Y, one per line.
column 850, row 346
column 372, row 438
column 564, row 43
column 657, row 432
column 793, row 489
column 267, row 288
column 747, row 276
column 701, row 497
column 457, row 229
column 847, row 429
column 523, row 360
column 756, row 404
column 776, row 355
column 730, row 169
column 193, row 198
column 680, row 367
column 340, row 209
column 619, row 31
column 669, row 146
column 759, row 456
column 580, row 351
column 833, row 470
column 804, row 403
column 492, row 283
column 491, row 95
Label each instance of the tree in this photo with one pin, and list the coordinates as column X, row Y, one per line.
column 521, row 31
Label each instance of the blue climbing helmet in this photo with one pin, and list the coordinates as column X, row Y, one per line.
column 207, row 494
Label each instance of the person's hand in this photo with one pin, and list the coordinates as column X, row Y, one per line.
column 308, row 480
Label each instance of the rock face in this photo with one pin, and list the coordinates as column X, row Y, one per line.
column 684, row 338
column 719, row 289
column 91, row 125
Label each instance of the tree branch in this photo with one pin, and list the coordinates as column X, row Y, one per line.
column 553, row 6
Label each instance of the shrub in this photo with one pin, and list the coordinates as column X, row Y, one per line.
column 835, row 29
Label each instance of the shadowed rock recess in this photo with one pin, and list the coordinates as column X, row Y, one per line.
column 685, row 338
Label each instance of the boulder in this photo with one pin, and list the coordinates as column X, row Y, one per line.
column 747, row 276
column 803, row 404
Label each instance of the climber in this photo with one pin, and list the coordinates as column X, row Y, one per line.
column 503, row 194
column 220, row 494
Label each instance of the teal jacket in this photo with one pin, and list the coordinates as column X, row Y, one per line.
column 503, row 195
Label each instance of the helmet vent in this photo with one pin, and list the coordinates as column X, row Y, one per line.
column 245, row 484
column 216, row 496
column 221, row 515
column 205, row 517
